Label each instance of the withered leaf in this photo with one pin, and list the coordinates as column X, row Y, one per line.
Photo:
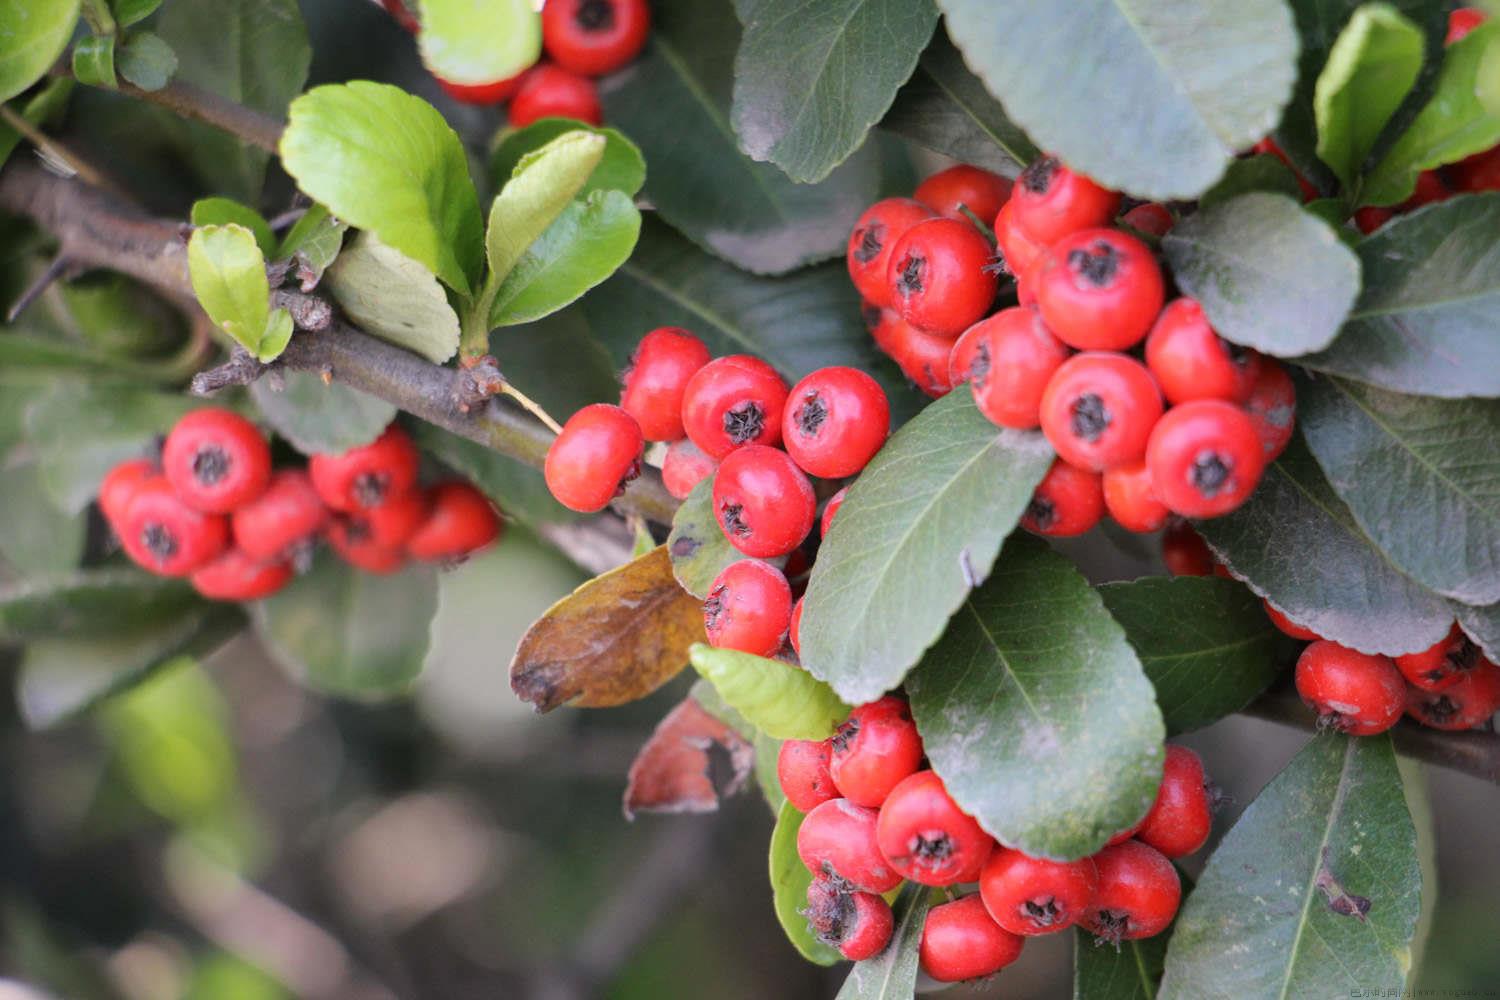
column 617, row 638
column 670, row 774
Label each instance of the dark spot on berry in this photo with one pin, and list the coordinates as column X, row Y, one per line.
column 871, row 315
column 930, row 849
column 1090, row 417
column 713, row 609
column 1211, row 473
column 810, row 415
column 910, row 282
column 1037, row 178
column 210, row 464
column 1042, row 912
column 998, row 265
column 1331, row 719
column 1462, row 655
column 979, row 368
column 845, row 735
column 158, row 540
column 1042, row 513
column 1110, row 927
column 685, row 547
column 871, row 242
column 595, row 15
column 370, row 488
column 1439, row 709
column 830, row 908
column 1097, row 264
column 731, row 517
column 744, row 421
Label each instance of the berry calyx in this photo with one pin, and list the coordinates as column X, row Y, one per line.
column 835, row 421
column 763, row 502
column 460, row 521
column 948, row 192
column 1137, row 896
column 1191, row 361
column 368, row 475
column 1098, row 289
column 926, row 837
column 234, row 576
column 597, row 454
column 166, row 536
column 594, row 37
column 684, row 467
column 1068, row 501
column 1031, row 896
column 1051, row 201
column 549, row 91
column 216, row 460
column 1131, row 501
column 1205, row 458
column 656, row 378
column 874, row 235
column 960, row 941
column 838, row 838
column 802, row 771
column 940, row 278
column 858, row 924
column 1442, row 664
column 1098, row 410
column 1182, row 815
column 732, row 402
column 1008, row 360
column 284, row 521
column 1353, row 692
column 748, row 608
column 874, row 749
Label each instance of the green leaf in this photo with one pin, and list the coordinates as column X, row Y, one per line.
column 892, row 974
column 314, row 242
column 89, row 602
column 1487, row 88
column 1034, row 709
column 479, row 41
column 1253, row 173
column 94, row 61
column 674, row 101
column 767, row 753
column 541, row 186
column 1130, row 971
column 1269, row 275
column 1425, row 321
column 36, row 535
column 696, row 545
column 920, row 526
column 789, row 881
column 557, row 362
column 147, row 61
column 1295, row 542
column 226, row 211
column 229, row 278
column 518, row 488
column 33, row 33
column 1174, row 89
column 1318, row 885
column 1454, row 124
column 128, row 12
column 1205, row 643
column 385, row 161
column 317, row 418
column 946, row 108
column 1420, row 475
column 348, row 633
column 47, row 104
column 810, row 81
column 394, row 298
column 622, row 168
column 1371, row 68
column 780, row 700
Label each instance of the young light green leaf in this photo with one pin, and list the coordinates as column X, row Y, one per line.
column 622, row 168
column 789, row 881
column 218, row 211
column 1175, row 87
column 918, row 530
column 778, row 699
column 229, row 279
column 94, row 61
column 1269, row 275
column 1454, row 124
column 318, row 418
column 147, row 61
column 1318, row 884
column 892, row 974
column 394, row 297
column 1262, row 172
column 479, row 41
column 33, row 33
column 541, row 186
column 314, row 242
column 1034, row 710
column 386, row 162
column 1370, row 69
column 1488, row 86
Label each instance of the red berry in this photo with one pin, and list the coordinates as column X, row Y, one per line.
column 1430, row 189
column 802, row 770
column 1152, row 218
column 216, row 460
column 868, row 930
column 1205, row 458
column 1273, row 408
column 362, row 552
column 923, row 357
column 1353, row 692
column 1138, row 893
column 794, row 630
column 165, row 535
column 1461, row 22
column 1098, row 289
column 1184, row 551
column 1098, row 410
column 403, row 15
column 1267, row 146
column 960, row 941
column 1010, row 360
column 874, row 749
column 1126, row 834
column 763, row 502
column 733, row 401
column 871, row 241
column 749, row 608
column 835, row 421
column 838, row 838
column 1288, row 626
column 119, row 486
column 1372, row 217
column 684, row 467
column 460, row 521
column 596, row 455
column 1182, row 815
column 1068, row 501
column 940, row 277
column 483, row 94
column 1031, row 896
column 548, row 91
column 1051, row 201
column 980, row 191
column 925, row 835
column 387, row 526
column 234, row 576
column 656, row 378
column 1191, row 361
column 830, row 510
column 366, row 476
column 284, row 521
column 1480, row 172
column 1441, row 665
column 595, row 37
column 1131, row 501
column 1468, row 704
column 1018, row 248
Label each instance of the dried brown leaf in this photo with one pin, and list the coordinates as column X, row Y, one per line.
column 671, row 772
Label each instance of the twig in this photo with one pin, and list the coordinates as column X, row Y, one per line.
column 59, row 153
column 184, row 99
column 60, row 266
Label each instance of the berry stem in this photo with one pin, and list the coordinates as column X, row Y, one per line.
column 531, row 406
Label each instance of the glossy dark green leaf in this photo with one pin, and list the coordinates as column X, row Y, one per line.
column 809, row 81
column 892, row 974
column 1174, row 88
column 918, row 530
column 316, row 417
column 1253, row 173
column 621, row 169
column 224, row 211
column 1035, row 711
column 558, row 363
column 946, row 108
column 789, row 881
column 1269, row 275
column 33, row 33
column 345, row 632
column 1131, row 971
column 1317, row 885
column 1371, row 68
column 1425, row 321
column 518, row 488
column 89, row 602
column 36, row 534
column 1295, row 542
column 781, row 700
column 674, row 101
column 697, row 545
column 146, row 61
column 1205, row 643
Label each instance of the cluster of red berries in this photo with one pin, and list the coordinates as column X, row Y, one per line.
column 875, row 817
column 1186, row 428
column 583, row 39
column 735, row 419
column 214, row 510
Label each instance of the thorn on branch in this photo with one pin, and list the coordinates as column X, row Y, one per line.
column 242, row 368
column 61, row 267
